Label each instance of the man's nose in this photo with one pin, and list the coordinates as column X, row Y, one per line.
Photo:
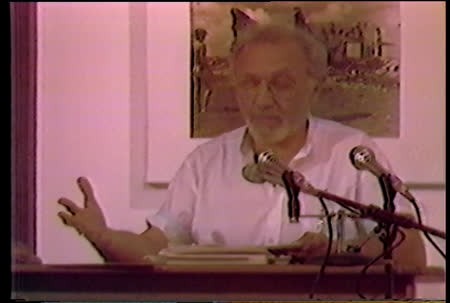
column 264, row 96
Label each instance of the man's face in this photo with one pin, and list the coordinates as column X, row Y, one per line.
column 273, row 89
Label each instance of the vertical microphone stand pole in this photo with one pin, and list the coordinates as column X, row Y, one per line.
column 390, row 231
column 293, row 191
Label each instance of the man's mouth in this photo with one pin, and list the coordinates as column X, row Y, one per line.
column 267, row 119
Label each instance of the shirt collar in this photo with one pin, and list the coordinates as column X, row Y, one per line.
column 248, row 153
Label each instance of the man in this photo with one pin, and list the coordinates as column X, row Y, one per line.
column 277, row 73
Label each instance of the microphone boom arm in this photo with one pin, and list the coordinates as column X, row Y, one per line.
column 376, row 213
column 297, row 182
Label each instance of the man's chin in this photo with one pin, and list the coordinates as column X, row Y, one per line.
column 268, row 135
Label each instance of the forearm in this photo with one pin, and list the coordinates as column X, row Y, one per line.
column 409, row 254
column 118, row 246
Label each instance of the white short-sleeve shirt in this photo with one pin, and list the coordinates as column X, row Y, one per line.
column 210, row 203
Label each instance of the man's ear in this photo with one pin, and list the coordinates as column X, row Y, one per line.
column 240, row 21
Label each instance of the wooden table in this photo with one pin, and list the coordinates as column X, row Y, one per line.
column 205, row 282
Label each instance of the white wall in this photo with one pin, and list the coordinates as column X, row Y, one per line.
column 91, row 122
column 83, row 120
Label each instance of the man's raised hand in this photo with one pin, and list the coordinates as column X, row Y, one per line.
column 88, row 220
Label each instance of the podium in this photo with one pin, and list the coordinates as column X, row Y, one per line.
column 143, row 282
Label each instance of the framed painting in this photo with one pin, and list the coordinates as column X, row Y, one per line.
column 381, row 79
column 362, row 86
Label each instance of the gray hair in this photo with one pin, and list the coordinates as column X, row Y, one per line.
column 314, row 50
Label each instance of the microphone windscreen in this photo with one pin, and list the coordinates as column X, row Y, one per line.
column 362, row 157
column 351, row 155
column 251, row 173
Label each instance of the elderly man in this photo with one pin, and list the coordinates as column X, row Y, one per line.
column 277, row 73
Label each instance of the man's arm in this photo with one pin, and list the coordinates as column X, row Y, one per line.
column 113, row 245
column 127, row 247
column 410, row 255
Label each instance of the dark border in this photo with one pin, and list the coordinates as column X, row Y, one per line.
column 23, row 84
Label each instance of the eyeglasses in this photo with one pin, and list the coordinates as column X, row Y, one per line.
column 277, row 86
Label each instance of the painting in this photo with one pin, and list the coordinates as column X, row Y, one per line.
column 362, row 86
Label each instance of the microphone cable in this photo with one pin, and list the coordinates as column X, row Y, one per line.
column 427, row 236
column 376, row 259
column 328, row 253
column 403, row 237
column 355, row 212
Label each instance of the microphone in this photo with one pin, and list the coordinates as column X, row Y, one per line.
column 277, row 173
column 273, row 170
column 363, row 158
column 252, row 174
column 271, row 162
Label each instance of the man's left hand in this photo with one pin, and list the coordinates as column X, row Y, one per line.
column 311, row 244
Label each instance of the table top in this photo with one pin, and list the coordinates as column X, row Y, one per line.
column 137, row 282
column 431, row 271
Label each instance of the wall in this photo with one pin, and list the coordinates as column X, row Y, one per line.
column 83, row 120
column 91, row 110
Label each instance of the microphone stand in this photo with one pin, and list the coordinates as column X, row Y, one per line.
column 373, row 212
column 293, row 191
column 385, row 217
column 390, row 231
column 344, row 254
column 339, row 257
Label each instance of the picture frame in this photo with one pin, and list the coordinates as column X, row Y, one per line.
column 417, row 155
column 361, row 88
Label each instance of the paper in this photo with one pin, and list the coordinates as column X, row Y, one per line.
column 194, row 254
column 212, row 249
column 211, row 255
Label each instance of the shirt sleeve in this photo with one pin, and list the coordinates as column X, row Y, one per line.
column 175, row 215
